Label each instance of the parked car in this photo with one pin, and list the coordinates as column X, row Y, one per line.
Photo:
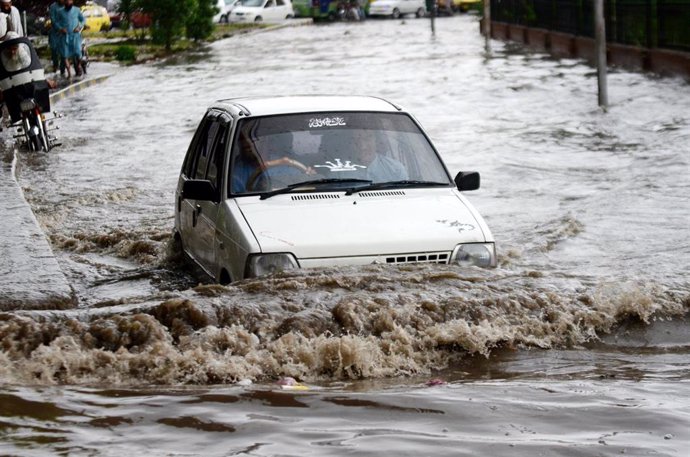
column 262, row 10
column 96, row 17
column 138, row 19
column 278, row 183
column 450, row 7
column 397, row 8
column 323, row 9
column 225, row 7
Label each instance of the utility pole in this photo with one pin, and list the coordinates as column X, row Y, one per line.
column 487, row 19
column 26, row 32
column 600, row 38
column 431, row 4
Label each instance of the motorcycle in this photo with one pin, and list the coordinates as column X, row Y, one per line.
column 25, row 92
column 349, row 10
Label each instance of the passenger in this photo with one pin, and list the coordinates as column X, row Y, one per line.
column 69, row 23
column 14, row 21
column 379, row 167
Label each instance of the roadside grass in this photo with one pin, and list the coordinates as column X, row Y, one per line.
column 135, row 45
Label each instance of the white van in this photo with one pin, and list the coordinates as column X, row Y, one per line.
column 271, row 184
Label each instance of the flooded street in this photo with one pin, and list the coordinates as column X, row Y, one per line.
column 576, row 345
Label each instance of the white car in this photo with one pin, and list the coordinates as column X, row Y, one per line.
column 397, row 8
column 277, row 183
column 262, row 10
column 225, row 7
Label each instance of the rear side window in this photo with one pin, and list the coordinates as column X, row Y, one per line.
column 217, row 157
column 204, row 148
column 196, row 161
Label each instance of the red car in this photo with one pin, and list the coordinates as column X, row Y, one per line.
column 139, row 19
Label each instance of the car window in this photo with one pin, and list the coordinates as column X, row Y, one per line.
column 276, row 151
column 269, row 4
column 216, row 159
column 280, row 2
column 204, row 148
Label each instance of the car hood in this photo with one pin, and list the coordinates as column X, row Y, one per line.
column 368, row 223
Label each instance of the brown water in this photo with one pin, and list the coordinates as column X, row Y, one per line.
column 576, row 345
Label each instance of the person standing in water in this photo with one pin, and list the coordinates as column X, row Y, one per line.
column 69, row 23
column 54, row 37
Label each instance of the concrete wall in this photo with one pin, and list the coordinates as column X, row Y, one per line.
column 661, row 61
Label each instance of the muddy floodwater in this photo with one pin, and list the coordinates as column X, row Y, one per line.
column 578, row 344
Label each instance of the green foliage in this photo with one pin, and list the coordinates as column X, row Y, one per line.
column 125, row 53
column 200, row 21
column 126, row 8
column 169, row 18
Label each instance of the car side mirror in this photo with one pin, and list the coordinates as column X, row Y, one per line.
column 467, row 180
column 198, row 189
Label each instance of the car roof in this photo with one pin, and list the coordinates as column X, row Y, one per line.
column 266, row 106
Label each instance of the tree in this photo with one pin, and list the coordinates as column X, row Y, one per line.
column 126, row 8
column 200, row 21
column 168, row 17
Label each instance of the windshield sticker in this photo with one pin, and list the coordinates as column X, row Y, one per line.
column 315, row 122
column 338, row 165
column 457, row 225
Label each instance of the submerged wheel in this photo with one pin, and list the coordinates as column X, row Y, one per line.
column 396, row 13
column 421, row 12
column 43, row 134
column 258, row 19
column 30, row 141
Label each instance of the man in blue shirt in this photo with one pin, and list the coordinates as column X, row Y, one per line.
column 69, row 23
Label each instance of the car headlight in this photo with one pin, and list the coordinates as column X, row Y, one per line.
column 266, row 264
column 477, row 254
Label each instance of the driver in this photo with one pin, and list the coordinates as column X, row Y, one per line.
column 245, row 161
column 16, row 56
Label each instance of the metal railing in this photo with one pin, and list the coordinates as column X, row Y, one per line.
column 645, row 23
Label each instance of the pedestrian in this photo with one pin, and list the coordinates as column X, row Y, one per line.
column 14, row 20
column 4, row 24
column 69, row 23
column 54, row 37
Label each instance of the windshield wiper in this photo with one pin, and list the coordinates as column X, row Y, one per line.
column 291, row 187
column 396, row 184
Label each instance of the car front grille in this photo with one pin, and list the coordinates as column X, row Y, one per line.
column 426, row 257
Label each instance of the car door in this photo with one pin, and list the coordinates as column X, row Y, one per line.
column 185, row 209
column 283, row 8
column 208, row 211
column 270, row 12
column 195, row 168
column 407, row 7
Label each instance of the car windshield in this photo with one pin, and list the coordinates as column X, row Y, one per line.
column 343, row 149
column 252, row 2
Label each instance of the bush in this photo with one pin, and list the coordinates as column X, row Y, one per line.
column 125, row 53
column 169, row 18
column 200, row 22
